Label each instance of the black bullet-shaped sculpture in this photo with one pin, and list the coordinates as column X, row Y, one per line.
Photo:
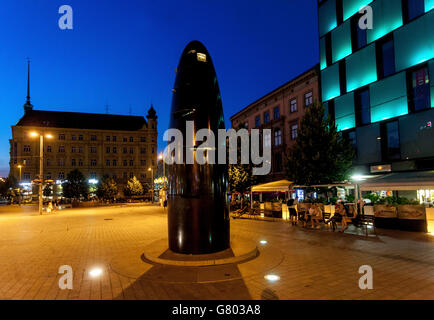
column 198, row 217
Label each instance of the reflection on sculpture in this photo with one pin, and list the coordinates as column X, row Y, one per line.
column 198, row 214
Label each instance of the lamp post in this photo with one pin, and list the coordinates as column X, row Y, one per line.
column 19, row 167
column 41, row 163
column 152, row 175
column 164, row 169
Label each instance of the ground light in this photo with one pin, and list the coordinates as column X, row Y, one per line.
column 263, row 242
column 95, row 272
column 272, row 277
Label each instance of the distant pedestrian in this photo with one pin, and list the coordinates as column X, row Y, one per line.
column 50, row 207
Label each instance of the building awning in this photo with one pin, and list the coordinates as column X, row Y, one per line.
column 275, row 186
column 400, row 181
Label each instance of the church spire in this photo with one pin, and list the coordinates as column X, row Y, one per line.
column 28, row 106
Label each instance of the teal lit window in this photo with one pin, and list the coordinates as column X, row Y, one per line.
column 322, row 53
column 429, row 5
column 330, row 86
column 389, row 98
column 341, row 41
column 414, row 43
column 387, row 17
column 327, row 17
column 344, row 112
column 361, row 68
column 350, row 7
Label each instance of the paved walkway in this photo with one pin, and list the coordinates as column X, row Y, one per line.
column 311, row 264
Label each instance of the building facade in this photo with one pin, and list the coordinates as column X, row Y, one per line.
column 281, row 111
column 96, row 144
column 378, row 83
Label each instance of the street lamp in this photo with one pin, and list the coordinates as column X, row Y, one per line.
column 152, row 172
column 19, row 167
column 41, row 162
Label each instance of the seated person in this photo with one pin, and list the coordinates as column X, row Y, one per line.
column 348, row 216
column 315, row 215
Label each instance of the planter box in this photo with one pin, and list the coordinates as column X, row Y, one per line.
column 386, row 217
column 412, row 218
column 430, row 219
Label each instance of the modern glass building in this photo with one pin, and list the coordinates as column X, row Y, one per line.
column 378, row 84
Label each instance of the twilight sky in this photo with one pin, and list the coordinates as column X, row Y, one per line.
column 123, row 53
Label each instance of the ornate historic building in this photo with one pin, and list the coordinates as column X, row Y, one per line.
column 96, row 144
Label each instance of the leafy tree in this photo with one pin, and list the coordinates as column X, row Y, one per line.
column 47, row 191
column 76, row 185
column 321, row 155
column 134, row 187
column 107, row 188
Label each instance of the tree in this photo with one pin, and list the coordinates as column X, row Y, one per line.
column 47, row 191
column 321, row 154
column 75, row 185
column 134, row 187
column 107, row 188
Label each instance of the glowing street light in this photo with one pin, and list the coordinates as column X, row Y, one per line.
column 152, row 173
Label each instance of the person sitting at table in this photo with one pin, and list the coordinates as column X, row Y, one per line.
column 292, row 211
column 315, row 215
column 348, row 216
column 339, row 213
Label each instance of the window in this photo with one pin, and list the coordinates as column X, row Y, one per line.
column 266, row 117
column 73, row 163
column 153, row 149
column 415, row 8
column 125, row 139
column 125, row 175
column 352, row 138
column 276, row 113
column 93, row 162
column 92, row 149
column 26, row 176
column 73, row 149
column 107, row 163
column 131, row 139
column 143, row 162
column 267, row 140
column 153, row 139
column 107, row 138
column 142, row 139
column 114, row 138
column 61, row 175
column 61, row 162
column 93, row 138
column 131, row 175
column 131, row 163
column 359, row 35
column 257, row 121
column 73, row 137
column 115, row 150
column 92, row 175
column 80, row 162
column 80, row 149
column 26, row 148
column 391, row 145
column 363, row 107
column 293, row 106
column 61, row 136
column 125, row 150
column 294, row 131
column 387, row 58
column 61, row 149
column 80, row 137
column 107, row 150
column 308, row 99
column 420, row 89
column 125, row 163
column 142, row 150
column 131, row 150
column 115, row 163
column 48, row 148
column 246, row 125
column 277, row 137
column 48, row 162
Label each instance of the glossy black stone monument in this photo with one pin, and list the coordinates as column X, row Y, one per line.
column 198, row 217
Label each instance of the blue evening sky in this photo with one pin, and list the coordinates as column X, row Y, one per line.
column 124, row 52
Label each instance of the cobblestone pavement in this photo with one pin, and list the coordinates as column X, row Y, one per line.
column 311, row 264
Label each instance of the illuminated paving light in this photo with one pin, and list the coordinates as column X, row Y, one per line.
column 95, row 272
column 272, row 277
column 263, row 242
